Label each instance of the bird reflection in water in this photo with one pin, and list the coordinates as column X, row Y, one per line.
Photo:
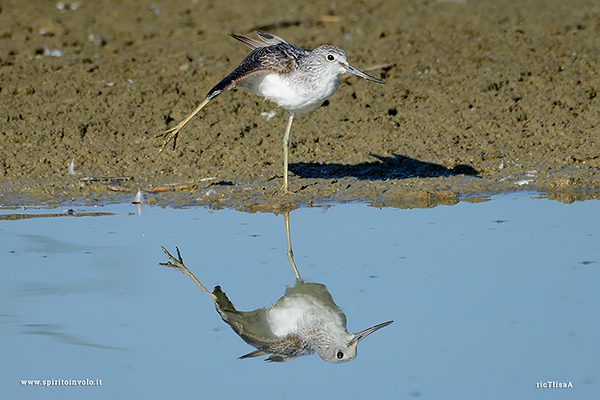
column 304, row 321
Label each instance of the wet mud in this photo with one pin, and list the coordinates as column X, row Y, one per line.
column 481, row 98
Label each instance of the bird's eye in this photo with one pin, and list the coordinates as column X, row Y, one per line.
column 340, row 355
column 330, row 57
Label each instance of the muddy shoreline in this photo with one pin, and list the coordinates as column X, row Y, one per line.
column 481, row 98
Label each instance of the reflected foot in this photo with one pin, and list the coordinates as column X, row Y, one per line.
column 176, row 263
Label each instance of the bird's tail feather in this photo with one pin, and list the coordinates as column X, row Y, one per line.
column 222, row 302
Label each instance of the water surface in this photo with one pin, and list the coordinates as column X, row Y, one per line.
column 488, row 299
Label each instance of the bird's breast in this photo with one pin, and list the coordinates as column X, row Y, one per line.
column 300, row 315
column 294, row 95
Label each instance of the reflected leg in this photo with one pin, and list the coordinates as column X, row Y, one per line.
column 290, row 253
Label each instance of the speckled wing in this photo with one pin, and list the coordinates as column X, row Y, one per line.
column 283, row 350
column 253, row 328
column 279, row 58
column 267, row 40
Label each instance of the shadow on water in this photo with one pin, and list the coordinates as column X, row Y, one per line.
column 395, row 167
column 304, row 321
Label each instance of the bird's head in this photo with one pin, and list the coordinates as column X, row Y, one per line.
column 335, row 61
column 345, row 349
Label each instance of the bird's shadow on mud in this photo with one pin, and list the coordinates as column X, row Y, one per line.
column 394, row 167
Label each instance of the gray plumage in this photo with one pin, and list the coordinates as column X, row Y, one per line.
column 298, row 80
column 304, row 321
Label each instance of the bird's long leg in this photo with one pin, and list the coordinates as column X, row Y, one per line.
column 177, row 263
column 290, row 253
column 286, row 149
column 172, row 133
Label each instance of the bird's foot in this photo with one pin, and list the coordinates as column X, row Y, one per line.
column 169, row 135
column 284, row 191
column 176, row 263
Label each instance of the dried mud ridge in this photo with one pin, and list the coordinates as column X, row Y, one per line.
column 481, row 98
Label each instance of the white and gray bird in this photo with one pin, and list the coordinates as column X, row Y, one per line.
column 304, row 321
column 298, row 80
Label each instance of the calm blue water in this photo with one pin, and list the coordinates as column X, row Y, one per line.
column 488, row 300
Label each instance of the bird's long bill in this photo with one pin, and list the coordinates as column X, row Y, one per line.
column 363, row 334
column 357, row 72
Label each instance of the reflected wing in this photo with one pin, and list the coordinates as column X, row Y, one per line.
column 255, row 353
column 271, row 358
